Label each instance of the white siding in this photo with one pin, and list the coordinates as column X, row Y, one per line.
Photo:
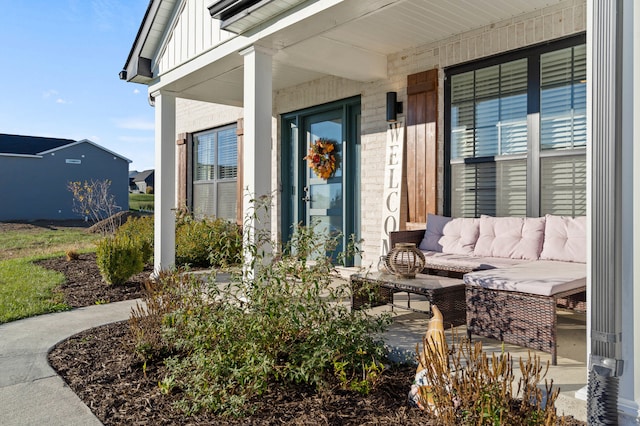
column 193, row 32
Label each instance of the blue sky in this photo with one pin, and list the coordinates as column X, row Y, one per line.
column 59, row 64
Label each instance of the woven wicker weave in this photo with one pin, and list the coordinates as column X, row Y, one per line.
column 375, row 289
column 523, row 319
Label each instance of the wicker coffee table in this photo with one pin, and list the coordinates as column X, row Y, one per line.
column 446, row 293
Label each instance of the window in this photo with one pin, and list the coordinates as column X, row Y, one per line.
column 516, row 133
column 215, row 173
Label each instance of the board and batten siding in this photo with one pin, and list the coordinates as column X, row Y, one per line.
column 193, row 32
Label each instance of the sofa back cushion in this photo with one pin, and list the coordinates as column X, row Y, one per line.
column 433, row 233
column 459, row 236
column 565, row 239
column 510, row 237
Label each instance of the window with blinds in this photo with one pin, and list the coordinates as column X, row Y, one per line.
column 516, row 140
column 215, row 173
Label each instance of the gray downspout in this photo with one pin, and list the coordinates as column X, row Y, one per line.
column 605, row 363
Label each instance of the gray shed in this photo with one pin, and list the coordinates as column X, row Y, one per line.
column 35, row 172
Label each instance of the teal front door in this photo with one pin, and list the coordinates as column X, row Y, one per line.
column 328, row 201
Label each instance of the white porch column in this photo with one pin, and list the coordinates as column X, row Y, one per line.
column 256, row 164
column 629, row 400
column 164, row 250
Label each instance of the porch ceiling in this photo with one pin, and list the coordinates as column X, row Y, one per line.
column 349, row 39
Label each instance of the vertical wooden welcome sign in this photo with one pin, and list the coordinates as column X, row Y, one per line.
column 392, row 194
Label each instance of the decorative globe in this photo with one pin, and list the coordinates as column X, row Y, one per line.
column 405, row 260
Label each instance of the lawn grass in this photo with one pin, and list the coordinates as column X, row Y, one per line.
column 141, row 202
column 25, row 288
column 44, row 241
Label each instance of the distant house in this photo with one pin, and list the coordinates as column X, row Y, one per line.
column 35, row 172
column 142, row 181
column 132, row 175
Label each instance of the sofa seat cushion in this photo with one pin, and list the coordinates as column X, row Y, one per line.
column 448, row 261
column 510, row 237
column 542, row 277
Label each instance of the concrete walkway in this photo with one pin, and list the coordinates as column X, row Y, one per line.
column 31, row 393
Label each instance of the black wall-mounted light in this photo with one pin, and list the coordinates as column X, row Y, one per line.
column 393, row 107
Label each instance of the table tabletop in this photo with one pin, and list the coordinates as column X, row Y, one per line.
column 423, row 281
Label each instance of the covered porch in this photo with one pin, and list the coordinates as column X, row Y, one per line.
column 281, row 61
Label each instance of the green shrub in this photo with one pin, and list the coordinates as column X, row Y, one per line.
column 162, row 296
column 207, row 242
column 118, row 258
column 225, row 243
column 286, row 325
column 140, row 230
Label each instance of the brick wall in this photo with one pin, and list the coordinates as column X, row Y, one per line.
column 562, row 19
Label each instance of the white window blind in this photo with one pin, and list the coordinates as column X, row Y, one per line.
column 496, row 188
column 215, row 173
column 494, row 143
column 563, row 92
column 564, row 185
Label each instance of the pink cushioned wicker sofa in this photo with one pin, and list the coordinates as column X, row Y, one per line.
column 516, row 271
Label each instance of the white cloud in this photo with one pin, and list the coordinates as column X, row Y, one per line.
column 53, row 94
column 136, row 91
column 49, row 93
column 133, row 123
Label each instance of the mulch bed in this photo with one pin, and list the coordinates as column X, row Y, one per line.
column 99, row 366
column 84, row 285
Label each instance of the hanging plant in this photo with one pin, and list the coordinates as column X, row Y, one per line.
column 322, row 158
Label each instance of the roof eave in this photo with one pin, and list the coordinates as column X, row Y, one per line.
column 6, row 154
column 115, row 154
column 137, row 68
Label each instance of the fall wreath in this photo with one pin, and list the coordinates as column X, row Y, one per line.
column 321, row 158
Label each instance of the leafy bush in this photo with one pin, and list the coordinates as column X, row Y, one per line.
column 287, row 323
column 118, row 258
column 162, row 296
column 207, row 242
column 140, row 231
